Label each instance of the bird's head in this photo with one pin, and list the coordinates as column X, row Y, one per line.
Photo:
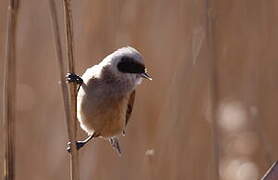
column 127, row 62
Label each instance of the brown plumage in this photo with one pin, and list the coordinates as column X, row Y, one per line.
column 106, row 97
column 129, row 108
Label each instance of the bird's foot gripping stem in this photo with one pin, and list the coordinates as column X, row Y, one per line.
column 79, row 144
column 71, row 77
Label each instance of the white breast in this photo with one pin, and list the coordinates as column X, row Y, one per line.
column 102, row 105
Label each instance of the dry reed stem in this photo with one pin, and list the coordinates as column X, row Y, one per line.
column 59, row 53
column 272, row 172
column 72, row 91
column 69, row 93
column 9, row 93
column 213, row 87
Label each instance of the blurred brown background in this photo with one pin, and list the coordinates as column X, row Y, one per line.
column 205, row 56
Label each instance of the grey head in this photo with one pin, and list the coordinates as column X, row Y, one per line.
column 128, row 64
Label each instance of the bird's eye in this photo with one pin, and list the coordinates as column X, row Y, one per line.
column 129, row 65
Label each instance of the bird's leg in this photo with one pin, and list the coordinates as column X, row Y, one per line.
column 71, row 77
column 80, row 144
column 114, row 141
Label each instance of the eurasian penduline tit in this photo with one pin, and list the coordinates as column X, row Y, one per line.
column 106, row 95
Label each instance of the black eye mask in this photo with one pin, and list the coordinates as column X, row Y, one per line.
column 128, row 65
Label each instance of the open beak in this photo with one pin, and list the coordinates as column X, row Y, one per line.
column 146, row 76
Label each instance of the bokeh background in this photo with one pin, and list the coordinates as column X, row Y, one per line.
column 212, row 102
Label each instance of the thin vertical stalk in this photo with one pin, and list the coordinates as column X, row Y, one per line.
column 69, row 92
column 213, row 85
column 72, row 90
column 9, row 93
column 60, row 58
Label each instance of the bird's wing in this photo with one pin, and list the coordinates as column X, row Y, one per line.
column 129, row 107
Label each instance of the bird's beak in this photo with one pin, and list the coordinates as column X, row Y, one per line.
column 146, row 76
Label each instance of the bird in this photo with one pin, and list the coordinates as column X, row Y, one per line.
column 106, row 94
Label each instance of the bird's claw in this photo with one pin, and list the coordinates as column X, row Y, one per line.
column 71, row 77
column 79, row 144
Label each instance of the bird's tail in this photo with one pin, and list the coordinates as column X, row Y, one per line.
column 114, row 141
